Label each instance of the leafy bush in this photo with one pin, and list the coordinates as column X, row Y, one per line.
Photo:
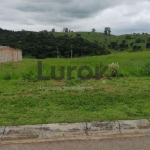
column 113, row 69
column 128, row 37
column 78, row 34
column 147, row 45
column 139, row 40
column 136, row 47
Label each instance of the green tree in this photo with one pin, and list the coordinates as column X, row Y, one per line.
column 53, row 30
column 107, row 31
column 93, row 30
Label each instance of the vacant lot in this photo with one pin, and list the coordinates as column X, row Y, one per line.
column 25, row 100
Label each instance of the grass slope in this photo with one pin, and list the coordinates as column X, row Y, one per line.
column 24, row 100
column 105, row 39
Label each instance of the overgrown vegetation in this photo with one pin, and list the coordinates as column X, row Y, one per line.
column 130, row 64
column 25, row 100
column 45, row 44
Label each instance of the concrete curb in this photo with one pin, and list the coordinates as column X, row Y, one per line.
column 75, row 129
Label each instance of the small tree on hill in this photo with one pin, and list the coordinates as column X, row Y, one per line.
column 53, row 30
column 93, row 30
column 107, row 31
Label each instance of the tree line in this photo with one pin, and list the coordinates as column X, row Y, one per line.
column 44, row 44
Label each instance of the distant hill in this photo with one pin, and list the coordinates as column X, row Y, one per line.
column 44, row 44
column 127, row 42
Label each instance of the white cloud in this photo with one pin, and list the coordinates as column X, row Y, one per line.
column 125, row 16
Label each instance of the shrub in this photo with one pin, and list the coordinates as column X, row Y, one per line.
column 128, row 37
column 113, row 69
column 136, row 47
column 139, row 40
column 78, row 34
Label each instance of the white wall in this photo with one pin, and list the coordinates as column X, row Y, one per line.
column 8, row 54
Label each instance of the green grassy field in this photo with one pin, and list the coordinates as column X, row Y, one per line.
column 106, row 40
column 25, row 100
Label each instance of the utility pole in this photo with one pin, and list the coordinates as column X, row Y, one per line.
column 71, row 51
column 57, row 53
column 145, row 44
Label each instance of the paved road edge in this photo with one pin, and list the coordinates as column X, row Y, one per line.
column 120, row 127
